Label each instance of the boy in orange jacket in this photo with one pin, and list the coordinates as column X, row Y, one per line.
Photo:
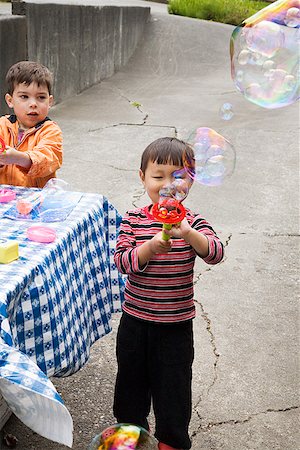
column 33, row 141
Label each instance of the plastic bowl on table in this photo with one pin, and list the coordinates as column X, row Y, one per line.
column 7, row 195
column 42, row 234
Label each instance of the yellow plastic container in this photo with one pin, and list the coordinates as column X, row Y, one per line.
column 9, row 251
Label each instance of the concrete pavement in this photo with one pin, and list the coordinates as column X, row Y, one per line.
column 246, row 388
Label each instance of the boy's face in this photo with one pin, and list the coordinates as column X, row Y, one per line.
column 31, row 104
column 157, row 176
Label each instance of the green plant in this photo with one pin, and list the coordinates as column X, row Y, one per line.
column 226, row 11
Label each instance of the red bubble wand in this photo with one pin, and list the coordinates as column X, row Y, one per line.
column 2, row 145
column 169, row 211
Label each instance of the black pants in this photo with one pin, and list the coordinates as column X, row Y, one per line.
column 155, row 363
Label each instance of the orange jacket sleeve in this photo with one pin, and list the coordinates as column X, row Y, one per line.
column 45, row 151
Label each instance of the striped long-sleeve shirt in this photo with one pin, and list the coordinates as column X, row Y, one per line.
column 162, row 290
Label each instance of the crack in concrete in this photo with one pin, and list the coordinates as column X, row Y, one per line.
column 137, row 196
column 129, row 124
column 265, row 233
column 207, row 269
column 136, row 104
column 228, row 240
column 211, row 425
column 212, row 338
column 281, row 234
column 121, row 169
column 213, row 344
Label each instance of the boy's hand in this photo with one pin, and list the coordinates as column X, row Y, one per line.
column 159, row 245
column 13, row 156
column 150, row 248
column 8, row 156
column 180, row 230
column 197, row 240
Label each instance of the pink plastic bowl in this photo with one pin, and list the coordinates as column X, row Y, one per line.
column 39, row 233
column 7, row 195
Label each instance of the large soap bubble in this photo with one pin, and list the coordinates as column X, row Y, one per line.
column 124, row 436
column 214, row 157
column 264, row 52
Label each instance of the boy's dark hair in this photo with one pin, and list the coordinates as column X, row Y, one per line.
column 167, row 150
column 28, row 72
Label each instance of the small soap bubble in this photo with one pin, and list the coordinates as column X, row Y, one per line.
column 226, row 111
column 167, row 191
column 179, row 188
column 292, row 18
column 215, row 167
column 265, row 38
column 264, row 53
column 216, row 160
column 289, row 82
column 269, row 64
column 239, row 75
column 123, row 436
column 253, row 91
column 243, row 57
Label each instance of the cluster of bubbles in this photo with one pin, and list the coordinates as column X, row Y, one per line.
column 264, row 52
column 214, row 157
column 213, row 160
column 122, row 436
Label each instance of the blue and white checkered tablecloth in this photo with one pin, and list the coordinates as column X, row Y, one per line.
column 57, row 299
column 32, row 397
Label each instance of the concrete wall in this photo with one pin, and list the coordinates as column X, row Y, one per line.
column 13, row 48
column 81, row 45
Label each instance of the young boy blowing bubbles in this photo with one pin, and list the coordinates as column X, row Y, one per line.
column 155, row 337
column 33, row 141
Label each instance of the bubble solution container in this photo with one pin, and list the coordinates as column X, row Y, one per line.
column 26, row 204
column 53, row 203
